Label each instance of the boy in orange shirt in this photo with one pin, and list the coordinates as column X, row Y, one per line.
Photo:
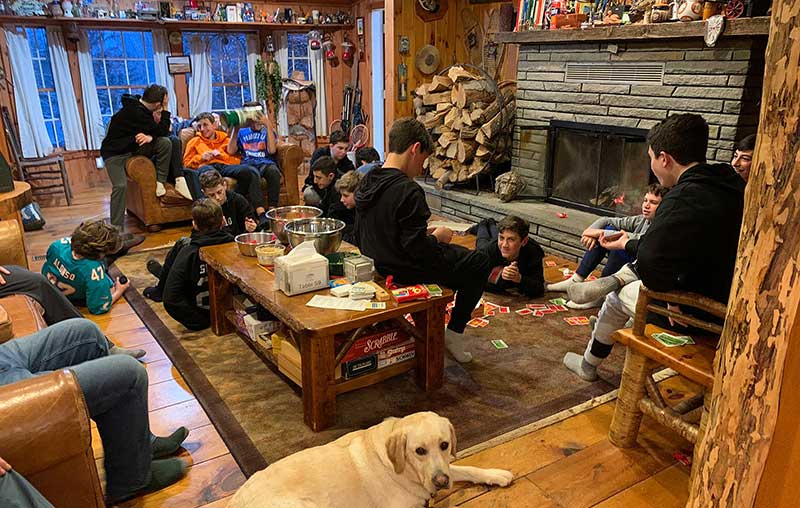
column 208, row 150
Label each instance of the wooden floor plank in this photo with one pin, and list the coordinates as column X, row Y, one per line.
column 116, row 325
column 203, row 444
column 166, row 394
column 667, row 489
column 162, row 370
column 521, row 493
column 154, row 352
column 132, row 338
column 189, row 414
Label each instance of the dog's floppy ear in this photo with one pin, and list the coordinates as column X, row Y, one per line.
column 452, row 440
column 396, row 450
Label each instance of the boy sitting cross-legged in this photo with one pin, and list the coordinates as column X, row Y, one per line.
column 237, row 215
column 186, row 288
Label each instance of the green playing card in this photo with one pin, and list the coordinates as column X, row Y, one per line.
column 558, row 301
column 499, row 344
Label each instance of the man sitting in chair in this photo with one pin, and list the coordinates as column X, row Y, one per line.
column 692, row 242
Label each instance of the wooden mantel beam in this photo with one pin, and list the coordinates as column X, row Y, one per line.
column 764, row 311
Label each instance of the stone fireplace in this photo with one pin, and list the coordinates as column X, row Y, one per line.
column 632, row 84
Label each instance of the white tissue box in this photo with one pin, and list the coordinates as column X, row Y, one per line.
column 301, row 271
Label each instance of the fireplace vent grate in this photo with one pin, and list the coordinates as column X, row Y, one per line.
column 619, row 73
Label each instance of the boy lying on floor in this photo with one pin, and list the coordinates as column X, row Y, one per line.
column 186, row 288
column 516, row 259
column 237, row 215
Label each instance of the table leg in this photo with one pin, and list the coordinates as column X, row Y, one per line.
column 319, row 396
column 220, row 296
column 430, row 353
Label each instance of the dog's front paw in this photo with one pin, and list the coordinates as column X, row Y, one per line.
column 499, row 477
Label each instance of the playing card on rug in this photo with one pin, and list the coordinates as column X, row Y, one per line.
column 546, row 311
column 557, row 308
column 524, row 312
column 550, row 264
column 538, row 313
column 504, row 310
column 581, row 320
column 499, row 344
column 534, row 306
column 558, row 301
column 477, row 323
column 570, row 321
column 489, row 312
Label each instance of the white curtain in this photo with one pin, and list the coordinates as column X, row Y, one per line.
column 200, row 80
column 32, row 132
column 161, row 51
column 65, row 91
column 317, row 61
column 253, row 54
column 95, row 130
column 281, row 42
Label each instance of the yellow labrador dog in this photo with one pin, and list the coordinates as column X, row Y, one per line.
column 399, row 463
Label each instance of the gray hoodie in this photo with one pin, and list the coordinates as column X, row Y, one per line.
column 634, row 225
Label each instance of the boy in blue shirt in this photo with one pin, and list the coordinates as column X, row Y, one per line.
column 76, row 266
column 258, row 143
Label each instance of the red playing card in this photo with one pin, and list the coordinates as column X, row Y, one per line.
column 495, row 274
column 581, row 320
column 490, row 306
column 524, row 312
column 560, row 308
column 570, row 321
column 550, row 264
column 535, row 306
column 504, row 310
column 683, row 459
column 538, row 313
column 477, row 323
column 547, row 311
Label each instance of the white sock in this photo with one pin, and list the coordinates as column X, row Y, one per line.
column 454, row 342
column 565, row 284
column 160, row 190
column 182, row 187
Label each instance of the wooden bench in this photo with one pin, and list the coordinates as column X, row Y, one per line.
column 638, row 393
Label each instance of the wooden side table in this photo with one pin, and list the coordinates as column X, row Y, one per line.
column 10, row 205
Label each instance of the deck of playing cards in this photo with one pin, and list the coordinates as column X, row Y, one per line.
column 669, row 340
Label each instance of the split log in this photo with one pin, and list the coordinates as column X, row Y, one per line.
column 458, row 73
column 466, row 150
column 499, row 121
column 422, row 89
column 451, row 151
column 469, row 132
column 473, row 91
column 483, row 151
column 431, row 99
column 431, row 120
column 443, row 179
column 447, row 139
column 444, row 106
column 440, row 84
column 451, row 117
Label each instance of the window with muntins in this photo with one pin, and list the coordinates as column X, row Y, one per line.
column 42, row 68
column 123, row 63
column 230, row 77
column 298, row 55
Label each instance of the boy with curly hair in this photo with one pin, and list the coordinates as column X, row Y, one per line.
column 76, row 265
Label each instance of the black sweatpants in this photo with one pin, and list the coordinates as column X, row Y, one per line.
column 35, row 285
column 467, row 276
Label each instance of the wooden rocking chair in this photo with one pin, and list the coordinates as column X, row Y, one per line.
column 638, row 393
column 30, row 169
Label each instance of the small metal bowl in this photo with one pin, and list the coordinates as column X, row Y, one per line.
column 279, row 217
column 247, row 242
column 326, row 233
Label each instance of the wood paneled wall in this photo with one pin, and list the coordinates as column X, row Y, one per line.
column 447, row 34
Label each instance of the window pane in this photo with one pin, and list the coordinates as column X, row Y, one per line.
column 246, row 93
column 233, row 94
column 47, row 74
column 302, row 65
column 218, row 98
column 151, row 72
column 133, row 44
column 105, row 103
column 116, row 99
column 54, row 105
column 38, row 72
column 44, row 102
column 216, row 71
column 112, row 44
column 230, row 71
column 99, row 73
column 137, row 72
column 96, row 44
column 51, row 133
column 59, row 132
column 148, row 44
column 115, row 70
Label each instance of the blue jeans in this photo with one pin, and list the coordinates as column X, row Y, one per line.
column 114, row 387
column 16, row 492
column 272, row 175
column 592, row 258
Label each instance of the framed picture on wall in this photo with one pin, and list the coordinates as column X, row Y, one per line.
column 181, row 64
column 360, row 26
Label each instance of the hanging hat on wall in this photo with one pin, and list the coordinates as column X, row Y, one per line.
column 427, row 59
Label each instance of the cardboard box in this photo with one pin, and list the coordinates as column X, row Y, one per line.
column 253, row 327
column 289, row 362
column 374, row 342
column 301, row 271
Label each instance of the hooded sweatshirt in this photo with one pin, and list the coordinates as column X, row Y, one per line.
column 186, row 290
column 342, row 166
column 132, row 119
column 391, row 226
column 234, row 211
column 692, row 243
column 198, row 145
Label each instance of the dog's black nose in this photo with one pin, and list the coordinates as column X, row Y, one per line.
column 441, row 481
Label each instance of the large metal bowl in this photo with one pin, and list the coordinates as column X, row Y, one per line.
column 247, row 242
column 326, row 233
column 279, row 217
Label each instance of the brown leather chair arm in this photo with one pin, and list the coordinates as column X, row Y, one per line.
column 25, row 313
column 12, row 247
column 141, row 170
column 44, row 422
column 289, row 159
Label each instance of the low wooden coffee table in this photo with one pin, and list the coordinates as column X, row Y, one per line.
column 314, row 330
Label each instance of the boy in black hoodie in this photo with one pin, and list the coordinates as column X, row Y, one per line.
column 515, row 258
column 392, row 228
column 142, row 127
column 186, row 290
column 339, row 143
column 326, row 177
column 692, row 242
column 237, row 215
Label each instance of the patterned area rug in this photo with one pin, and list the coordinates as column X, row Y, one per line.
column 260, row 414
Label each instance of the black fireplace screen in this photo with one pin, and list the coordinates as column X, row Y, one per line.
column 598, row 168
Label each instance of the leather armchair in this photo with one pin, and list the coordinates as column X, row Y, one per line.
column 153, row 211
column 47, row 438
column 12, row 246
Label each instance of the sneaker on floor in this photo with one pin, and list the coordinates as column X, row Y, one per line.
column 163, row 473
column 136, row 353
column 153, row 293
column 154, row 267
column 581, row 306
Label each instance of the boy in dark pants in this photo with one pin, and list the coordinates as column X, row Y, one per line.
column 186, row 288
column 392, row 228
column 237, row 215
column 516, row 259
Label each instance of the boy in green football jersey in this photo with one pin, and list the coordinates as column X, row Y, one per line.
column 76, row 266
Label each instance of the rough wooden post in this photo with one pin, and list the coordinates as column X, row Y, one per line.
column 763, row 312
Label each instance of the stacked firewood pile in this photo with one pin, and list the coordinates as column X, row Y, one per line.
column 470, row 120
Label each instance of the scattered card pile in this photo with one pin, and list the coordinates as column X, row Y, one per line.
column 668, row 340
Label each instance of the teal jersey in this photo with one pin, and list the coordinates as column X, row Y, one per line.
column 83, row 281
